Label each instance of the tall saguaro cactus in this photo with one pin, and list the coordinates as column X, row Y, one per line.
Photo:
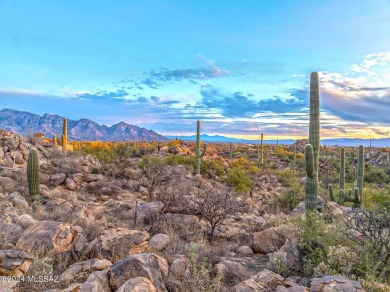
column 65, row 136
column 360, row 175
column 198, row 154
column 314, row 126
column 311, row 182
column 260, row 151
column 54, row 140
column 230, row 151
column 33, row 176
column 342, row 169
column 312, row 149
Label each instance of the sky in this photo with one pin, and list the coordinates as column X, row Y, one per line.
column 240, row 67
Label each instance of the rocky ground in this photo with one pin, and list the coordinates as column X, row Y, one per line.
column 99, row 232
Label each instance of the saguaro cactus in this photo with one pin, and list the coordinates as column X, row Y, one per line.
column 65, row 136
column 260, row 151
column 198, row 154
column 33, row 176
column 230, row 151
column 314, row 126
column 342, row 169
column 311, row 182
column 360, row 174
column 54, row 140
column 312, row 149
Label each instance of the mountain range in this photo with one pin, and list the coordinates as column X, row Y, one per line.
column 25, row 123
column 383, row 142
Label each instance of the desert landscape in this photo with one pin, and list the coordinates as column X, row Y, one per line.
column 194, row 146
column 183, row 216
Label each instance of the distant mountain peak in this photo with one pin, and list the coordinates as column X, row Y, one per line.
column 23, row 123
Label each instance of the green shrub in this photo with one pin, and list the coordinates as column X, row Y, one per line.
column 239, row 178
column 375, row 175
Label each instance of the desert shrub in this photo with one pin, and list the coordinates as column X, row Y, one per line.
column 375, row 175
column 341, row 260
column 214, row 203
column 174, row 143
column 201, row 271
column 278, row 263
column 239, row 179
column 291, row 197
column 371, row 231
column 153, row 170
column 207, row 167
column 375, row 198
column 239, row 174
column 214, row 167
column 316, row 237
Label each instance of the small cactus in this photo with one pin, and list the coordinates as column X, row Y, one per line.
column 54, row 140
column 33, row 176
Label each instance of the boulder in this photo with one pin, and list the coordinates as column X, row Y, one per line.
column 116, row 243
column 268, row 240
column 82, row 270
column 25, row 221
column 139, row 284
column 159, row 241
column 48, row 236
column 179, row 272
column 294, row 256
column 70, row 184
column 150, row 266
column 332, row 283
column 14, row 262
column 102, row 278
column 18, row 200
column 8, row 286
column 10, row 232
column 57, row 179
column 7, row 184
column 91, row 287
column 77, row 178
column 231, row 272
column 244, row 250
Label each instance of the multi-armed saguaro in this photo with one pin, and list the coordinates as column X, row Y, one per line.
column 65, row 136
column 312, row 149
column 355, row 195
column 198, row 154
column 33, row 176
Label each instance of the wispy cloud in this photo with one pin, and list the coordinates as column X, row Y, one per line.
column 363, row 94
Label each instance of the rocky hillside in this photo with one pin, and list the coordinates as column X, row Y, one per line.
column 118, row 227
column 25, row 123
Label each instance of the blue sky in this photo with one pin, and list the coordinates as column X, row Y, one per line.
column 241, row 67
